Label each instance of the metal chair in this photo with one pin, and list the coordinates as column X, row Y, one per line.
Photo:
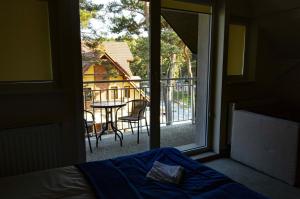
column 88, row 125
column 136, row 113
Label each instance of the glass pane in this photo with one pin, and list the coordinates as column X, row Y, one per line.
column 184, row 45
column 25, row 39
column 236, row 49
column 115, row 55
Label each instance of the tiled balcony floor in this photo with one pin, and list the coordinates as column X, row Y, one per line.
column 172, row 136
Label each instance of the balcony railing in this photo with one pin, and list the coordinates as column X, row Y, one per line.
column 177, row 98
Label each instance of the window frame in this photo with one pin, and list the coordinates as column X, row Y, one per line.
column 155, row 44
column 114, row 94
column 39, row 86
column 127, row 91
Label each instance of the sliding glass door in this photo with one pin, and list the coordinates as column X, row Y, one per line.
column 156, row 52
column 184, row 40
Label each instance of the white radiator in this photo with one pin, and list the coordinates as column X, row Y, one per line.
column 29, row 149
column 266, row 143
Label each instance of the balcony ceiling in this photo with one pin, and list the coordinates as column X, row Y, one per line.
column 185, row 25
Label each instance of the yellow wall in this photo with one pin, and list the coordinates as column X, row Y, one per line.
column 121, row 86
column 25, row 41
column 89, row 76
column 236, row 49
column 134, row 93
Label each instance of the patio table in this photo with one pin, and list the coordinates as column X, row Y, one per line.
column 108, row 107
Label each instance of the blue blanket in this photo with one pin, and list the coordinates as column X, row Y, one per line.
column 125, row 177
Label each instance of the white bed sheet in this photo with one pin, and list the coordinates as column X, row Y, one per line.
column 66, row 182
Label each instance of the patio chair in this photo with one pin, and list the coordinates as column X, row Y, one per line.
column 136, row 113
column 90, row 125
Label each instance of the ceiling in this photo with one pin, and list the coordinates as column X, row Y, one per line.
column 278, row 20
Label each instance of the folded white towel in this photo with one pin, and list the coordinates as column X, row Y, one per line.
column 165, row 173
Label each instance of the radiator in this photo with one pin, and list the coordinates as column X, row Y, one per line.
column 266, row 143
column 29, row 149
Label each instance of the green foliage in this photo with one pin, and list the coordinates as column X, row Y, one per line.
column 129, row 17
column 88, row 11
column 111, row 71
column 140, row 50
column 130, row 20
column 170, row 44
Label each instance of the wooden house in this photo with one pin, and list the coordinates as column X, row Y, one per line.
column 107, row 76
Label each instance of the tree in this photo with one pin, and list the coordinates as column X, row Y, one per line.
column 131, row 17
column 131, row 20
column 140, row 50
column 89, row 11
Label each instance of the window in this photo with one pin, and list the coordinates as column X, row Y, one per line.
column 114, row 92
column 236, row 50
column 127, row 91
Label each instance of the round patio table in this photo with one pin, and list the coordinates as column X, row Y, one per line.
column 108, row 107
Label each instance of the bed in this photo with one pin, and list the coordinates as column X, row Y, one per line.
column 124, row 177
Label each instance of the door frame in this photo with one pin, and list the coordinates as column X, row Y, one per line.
column 155, row 33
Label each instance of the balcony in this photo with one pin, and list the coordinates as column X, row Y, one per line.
column 180, row 136
column 177, row 115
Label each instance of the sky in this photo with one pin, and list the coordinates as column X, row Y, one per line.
column 100, row 1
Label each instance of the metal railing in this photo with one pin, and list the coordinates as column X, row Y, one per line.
column 177, row 98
